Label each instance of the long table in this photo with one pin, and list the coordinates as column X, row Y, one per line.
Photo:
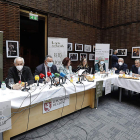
column 37, row 118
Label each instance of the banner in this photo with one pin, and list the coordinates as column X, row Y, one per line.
column 1, row 55
column 107, row 86
column 102, row 50
column 53, row 104
column 99, row 89
column 5, row 116
column 57, row 48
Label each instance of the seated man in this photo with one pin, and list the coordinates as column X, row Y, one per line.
column 19, row 72
column 136, row 68
column 120, row 67
column 45, row 67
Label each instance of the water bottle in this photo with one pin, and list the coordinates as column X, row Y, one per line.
column 131, row 73
column 3, row 86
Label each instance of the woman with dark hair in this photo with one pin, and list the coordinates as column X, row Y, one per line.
column 83, row 65
column 66, row 68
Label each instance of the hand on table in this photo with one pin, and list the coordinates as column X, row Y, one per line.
column 121, row 72
column 17, row 86
column 47, row 79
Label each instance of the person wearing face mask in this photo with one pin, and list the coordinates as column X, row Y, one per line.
column 45, row 67
column 66, row 68
column 19, row 72
column 120, row 67
column 100, row 66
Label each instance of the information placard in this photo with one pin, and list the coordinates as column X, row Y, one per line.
column 99, row 89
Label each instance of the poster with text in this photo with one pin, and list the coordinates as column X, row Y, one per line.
column 102, row 50
column 57, row 48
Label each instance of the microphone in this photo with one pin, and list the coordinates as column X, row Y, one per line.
column 37, row 79
column 63, row 75
column 42, row 76
column 49, row 74
column 57, row 75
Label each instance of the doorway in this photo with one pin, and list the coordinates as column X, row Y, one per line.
column 32, row 41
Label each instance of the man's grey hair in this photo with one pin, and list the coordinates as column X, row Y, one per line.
column 121, row 59
column 18, row 58
column 114, row 51
column 48, row 56
column 138, row 60
column 101, row 58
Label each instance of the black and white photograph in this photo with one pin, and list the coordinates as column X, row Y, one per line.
column 91, row 56
column 93, row 48
column 110, row 51
column 12, row 49
column 78, row 47
column 87, row 48
column 69, row 47
column 73, row 56
column 122, row 52
column 135, row 52
column 83, row 55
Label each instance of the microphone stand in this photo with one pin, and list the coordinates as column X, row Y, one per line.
column 37, row 83
column 25, row 88
column 80, row 79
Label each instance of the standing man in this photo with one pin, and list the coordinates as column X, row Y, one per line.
column 114, row 58
column 19, row 72
column 136, row 68
column 120, row 67
column 46, row 67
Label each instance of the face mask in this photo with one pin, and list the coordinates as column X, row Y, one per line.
column 19, row 68
column 50, row 64
column 120, row 63
column 102, row 62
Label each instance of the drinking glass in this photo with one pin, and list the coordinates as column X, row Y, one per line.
column 11, row 82
column 127, row 71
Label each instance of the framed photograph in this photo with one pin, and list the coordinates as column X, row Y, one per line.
column 83, row 55
column 78, row 47
column 135, row 52
column 12, row 49
column 110, row 51
column 93, row 48
column 91, row 56
column 69, row 47
column 73, row 56
column 122, row 52
column 87, row 48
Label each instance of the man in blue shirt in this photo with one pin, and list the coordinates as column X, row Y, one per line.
column 120, row 67
column 136, row 68
column 114, row 58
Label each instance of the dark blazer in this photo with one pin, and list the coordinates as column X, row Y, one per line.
column 41, row 69
column 97, row 67
column 134, row 69
column 114, row 60
column 25, row 77
column 123, row 67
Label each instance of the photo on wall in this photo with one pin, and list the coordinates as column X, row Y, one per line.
column 78, row 47
column 83, row 55
column 70, row 46
column 12, row 49
column 91, row 56
column 135, row 52
column 87, row 48
column 110, row 51
column 73, row 56
column 122, row 52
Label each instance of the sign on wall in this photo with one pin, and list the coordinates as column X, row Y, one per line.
column 5, row 116
column 53, row 104
column 102, row 50
column 1, row 55
column 57, row 48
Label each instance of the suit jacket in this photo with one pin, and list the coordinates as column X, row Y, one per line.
column 25, row 77
column 97, row 67
column 41, row 69
column 114, row 60
column 123, row 67
column 64, row 70
column 134, row 69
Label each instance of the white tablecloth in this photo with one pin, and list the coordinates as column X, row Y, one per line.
column 43, row 92
column 129, row 84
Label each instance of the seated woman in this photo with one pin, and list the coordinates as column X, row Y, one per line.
column 100, row 66
column 83, row 65
column 66, row 68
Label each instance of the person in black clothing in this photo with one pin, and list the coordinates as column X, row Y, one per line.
column 83, row 65
column 19, row 72
column 114, row 59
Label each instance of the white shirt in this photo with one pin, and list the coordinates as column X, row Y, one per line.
column 46, row 69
